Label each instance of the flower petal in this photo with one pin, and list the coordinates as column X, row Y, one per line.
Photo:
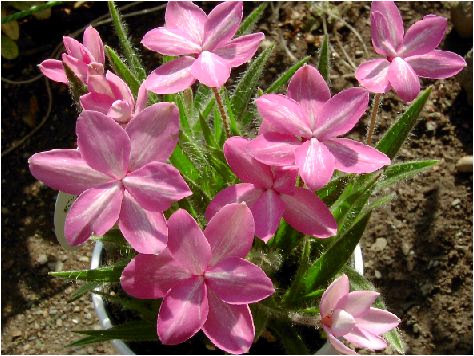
column 188, row 17
column 248, row 169
column 230, row 232
column 403, row 79
column 156, row 186
column 222, row 24
column 96, row 102
column 120, row 89
column 373, row 75
column 336, row 290
column 309, row 89
column 316, row 163
column 365, row 339
column 354, row 157
column 65, row 170
column 73, row 47
column 211, row 70
column 340, row 113
column 423, row 36
column 237, row 281
column 146, row 231
column 183, row 311
column 142, row 99
column 308, row 214
column 392, row 15
column 171, row 77
column 358, row 302
column 103, row 144
column 79, row 68
column 187, row 244
column 94, row 212
column 377, row 321
column 274, row 149
column 381, row 35
column 284, row 179
column 54, row 70
column 342, row 323
column 170, row 42
column 93, row 43
column 120, row 111
column 151, row 276
column 229, row 327
column 241, row 49
column 436, row 64
column 338, row 345
column 267, row 212
column 153, row 134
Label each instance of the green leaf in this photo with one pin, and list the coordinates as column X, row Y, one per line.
column 113, row 237
column 122, row 70
column 323, row 61
column 12, row 30
column 138, row 305
column 234, row 127
column 76, row 86
column 260, row 319
column 377, row 203
column 30, row 11
column 331, row 191
column 102, row 274
column 398, row 133
column 9, row 48
column 208, row 137
column 84, row 289
column 285, row 77
column 183, row 114
column 250, row 21
column 401, row 171
column 287, row 335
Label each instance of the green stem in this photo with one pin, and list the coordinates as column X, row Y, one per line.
column 32, row 10
column 225, row 120
column 373, row 117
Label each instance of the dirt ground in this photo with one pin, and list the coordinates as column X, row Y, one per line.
column 418, row 250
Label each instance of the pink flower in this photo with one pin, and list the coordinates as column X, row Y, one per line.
column 350, row 315
column 119, row 175
column 408, row 56
column 302, row 129
column 270, row 194
column 204, row 41
column 83, row 59
column 205, row 282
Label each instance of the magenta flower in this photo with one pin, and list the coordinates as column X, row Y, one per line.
column 204, row 41
column 270, row 194
column 83, row 59
column 204, row 280
column 119, row 175
column 350, row 315
column 408, row 56
column 302, row 129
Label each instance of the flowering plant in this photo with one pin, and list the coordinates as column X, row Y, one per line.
column 169, row 180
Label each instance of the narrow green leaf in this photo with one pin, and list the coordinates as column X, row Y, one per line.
column 398, row 172
column 122, row 70
column 377, row 203
column 208, row 137
column 84, row 289
column 30, row 11
column 234, row 126
column 250, row 21
column 289, row 337
column 139, row 305
column 260, row 320
column 102, row 274
column 285, row 77
column 113, row 236
column 331, row 191
column 76, row 86
column 323, row 61
column 183, row 114
column 9, row 48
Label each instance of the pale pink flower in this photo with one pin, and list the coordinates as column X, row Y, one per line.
column 204, row 280
column 349, row 315
column 407, row 55
column 270, row 193
column 302, row 129
column 83, row 58
column 119, row 175
column 204, row 42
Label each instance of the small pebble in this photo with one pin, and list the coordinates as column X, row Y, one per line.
column 464, row 164
column 456, row 202
column 59, row 322
column 379, row 245
column 378, row 275
column 42, row 259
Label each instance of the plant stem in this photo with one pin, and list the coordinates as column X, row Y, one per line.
column 222, row 111
column 373, row 116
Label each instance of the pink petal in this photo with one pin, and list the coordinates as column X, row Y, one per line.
column 285, row 179
column 93, row 43
column 241, row 49
column 392, row 15
column 54, row 70
column 142, row 99
column 373, row 75
column 156, row 186
column 423, row 36
column 436, row 64
column 120, row 89
column 357, row 303
column 171, row 77
column 316, row 163
column 355, row 157
column 188, row 17
column 267, row 212
column 237, row 281
column 245, row 166
column 308, row 214
column 338, row 345
column 65, row 170
column 283, row 114
column 100, row 85
column 377, row 321
column 96, row 102
column 222, row 24
column 183, row 311
column 151, row 276
column 211, row 70
column 187, row 244
column 342, row 322
column 93, row 213
column 381, row 31
column 120, row 111
column 104, row 145
column 146, row 231
column 403, row 79
column 274, row 149
column 336, row 290
column 230, row 232
column 309, row 89
column 73, row 47
column 229, row 327
column 340, row 113
column 79, row 68
column 243, row 192
column 170, row 42
column 365, row 339
column 153, row 134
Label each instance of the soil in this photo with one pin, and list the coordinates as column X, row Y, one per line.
column 418, row 250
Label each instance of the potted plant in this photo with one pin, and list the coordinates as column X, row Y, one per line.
column 248, row 240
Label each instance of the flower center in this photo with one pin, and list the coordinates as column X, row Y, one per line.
column 327, row 320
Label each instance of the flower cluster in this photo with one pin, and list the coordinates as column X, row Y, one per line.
column 121, row 174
